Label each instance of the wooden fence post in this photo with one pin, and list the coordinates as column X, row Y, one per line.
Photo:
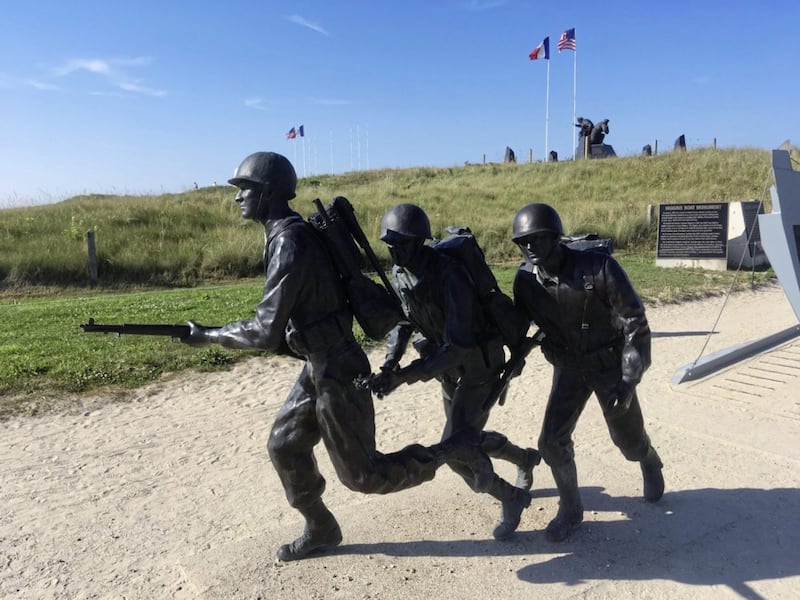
column 92, row 257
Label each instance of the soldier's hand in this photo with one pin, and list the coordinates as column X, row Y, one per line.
column 619, row 401
column 198, row 335
column 383, row 383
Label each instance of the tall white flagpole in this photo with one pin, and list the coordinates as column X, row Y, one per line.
column 574, row 97
column 547, row 113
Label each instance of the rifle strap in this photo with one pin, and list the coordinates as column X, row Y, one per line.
column 588, row 286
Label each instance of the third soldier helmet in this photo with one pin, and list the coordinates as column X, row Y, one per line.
column 403, row 222
column 536, row 218
column 268, row 169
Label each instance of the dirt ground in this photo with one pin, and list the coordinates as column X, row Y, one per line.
column 171, row 495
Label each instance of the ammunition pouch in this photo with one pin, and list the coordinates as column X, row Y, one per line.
column 607, row 358
column 319, row 336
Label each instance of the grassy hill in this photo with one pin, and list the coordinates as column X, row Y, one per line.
column 199, row 237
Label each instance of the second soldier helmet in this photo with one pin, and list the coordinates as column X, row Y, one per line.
column 536, row 218
column 268, row 169
column 403, row 222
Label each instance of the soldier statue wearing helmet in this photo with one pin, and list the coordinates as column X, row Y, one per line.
column 266, row 182
column 405, row 228
column 458, row 347
column 597, row 338
column 304, row 313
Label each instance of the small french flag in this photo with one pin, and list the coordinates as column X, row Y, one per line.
column 542, row 50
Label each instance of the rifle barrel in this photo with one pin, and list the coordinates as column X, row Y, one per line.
column 174, row 331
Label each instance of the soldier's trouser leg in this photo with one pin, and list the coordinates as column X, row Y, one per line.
column 567, row 400
column 497, row 445
column 513, row 501
column 294, row 434
column 346, row 418
column 463, row 407
column 292, row 439
column 629, row 435
column 464, row 412
column 652, row 478
column 570, row 508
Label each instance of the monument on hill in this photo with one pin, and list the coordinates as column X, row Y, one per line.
column 590, row 140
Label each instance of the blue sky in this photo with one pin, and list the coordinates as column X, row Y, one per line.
column 151, row 96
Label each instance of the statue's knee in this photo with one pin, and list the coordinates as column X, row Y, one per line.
column 492, row 441
column 363, row 482
column 634, row 453
column 553, row 452
column 276, row 446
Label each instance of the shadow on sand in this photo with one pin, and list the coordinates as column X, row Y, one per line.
column 698, row 537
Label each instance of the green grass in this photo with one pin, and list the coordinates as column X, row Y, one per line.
column 44, row 348
column 44, row 353
column 173, row 257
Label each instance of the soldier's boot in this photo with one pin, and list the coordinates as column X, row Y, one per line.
column 513, row 501
column 321, row 533
column 464, row 447
column 653, row 479
column 570, row 509
column 525, row 459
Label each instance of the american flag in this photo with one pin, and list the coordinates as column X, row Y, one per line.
column 292, row 134
column 567, row 40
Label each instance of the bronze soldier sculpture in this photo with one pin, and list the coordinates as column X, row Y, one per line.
column 599, row 132
column 597, row 338
column 458, row 347
column 584, row 126
column 304, row 313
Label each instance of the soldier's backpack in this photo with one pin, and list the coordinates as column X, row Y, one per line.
column 374, row 307
column 590, row 241
column 499, row 309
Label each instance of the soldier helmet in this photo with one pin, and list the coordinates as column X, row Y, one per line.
column 267, row 169
column 536, row 218
column 404, row 222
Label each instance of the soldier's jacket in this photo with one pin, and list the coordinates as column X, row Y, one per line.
column 589, row 312
column 303, row 310
column 444, row 307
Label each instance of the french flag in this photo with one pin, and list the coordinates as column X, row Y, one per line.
column 542, row 50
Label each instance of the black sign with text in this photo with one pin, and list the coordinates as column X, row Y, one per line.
column 693, row 231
